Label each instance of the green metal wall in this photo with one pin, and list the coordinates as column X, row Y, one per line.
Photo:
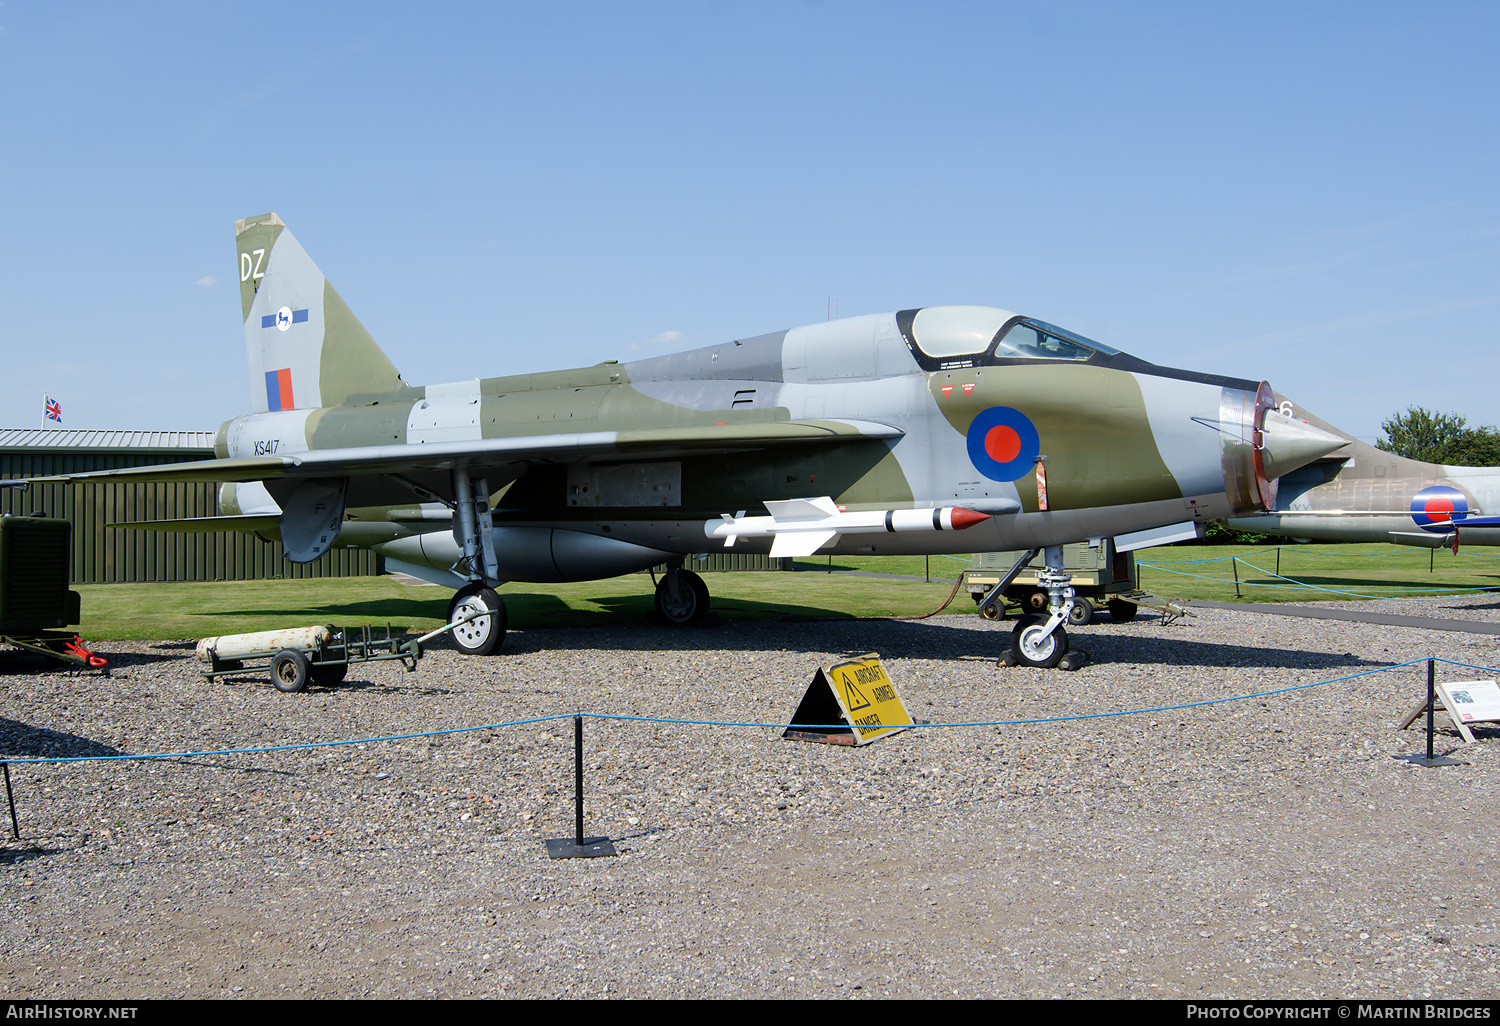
column 102, row 555
column 717, row 561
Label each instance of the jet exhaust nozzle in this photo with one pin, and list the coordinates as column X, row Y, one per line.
column 1287, row 444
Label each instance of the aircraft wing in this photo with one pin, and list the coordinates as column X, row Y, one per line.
column 657, row 443
column 204, row 525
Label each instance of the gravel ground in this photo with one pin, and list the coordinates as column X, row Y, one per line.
column 1268, row 847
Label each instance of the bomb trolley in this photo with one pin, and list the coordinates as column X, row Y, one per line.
column 318, row 654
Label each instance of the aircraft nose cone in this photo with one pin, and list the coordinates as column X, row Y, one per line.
column 1288, row 444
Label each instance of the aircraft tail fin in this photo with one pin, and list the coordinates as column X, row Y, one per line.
column 305, row 346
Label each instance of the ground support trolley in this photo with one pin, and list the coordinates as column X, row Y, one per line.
column 318, row 654
column 298, row 655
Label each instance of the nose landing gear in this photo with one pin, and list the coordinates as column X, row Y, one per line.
column 1039, row 639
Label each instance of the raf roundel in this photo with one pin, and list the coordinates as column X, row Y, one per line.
column 1003, row 444
column 1438, row 507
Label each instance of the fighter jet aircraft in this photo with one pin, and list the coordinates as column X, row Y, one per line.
column 932, row 430
column 1358, row 493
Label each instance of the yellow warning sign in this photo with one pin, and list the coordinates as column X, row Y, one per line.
column 864, row 698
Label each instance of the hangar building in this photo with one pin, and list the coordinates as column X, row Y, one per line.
column 102, row 555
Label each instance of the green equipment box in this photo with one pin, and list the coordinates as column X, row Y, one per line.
column 1101, row 577
column 34, row 595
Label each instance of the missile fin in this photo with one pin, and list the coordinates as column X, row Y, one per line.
column 801, row 543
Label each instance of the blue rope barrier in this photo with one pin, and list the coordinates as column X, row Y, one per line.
column 291, row 748
column 720, row 723
column 1411, row 594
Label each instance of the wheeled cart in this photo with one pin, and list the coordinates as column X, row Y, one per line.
column 319, row 654
column 297, row 655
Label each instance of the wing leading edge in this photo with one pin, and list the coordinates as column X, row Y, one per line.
column 661, row 443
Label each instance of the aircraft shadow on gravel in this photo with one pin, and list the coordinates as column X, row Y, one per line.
column 921, row 639
column 24, row 741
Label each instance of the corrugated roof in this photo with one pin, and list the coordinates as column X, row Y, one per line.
column 34, row 439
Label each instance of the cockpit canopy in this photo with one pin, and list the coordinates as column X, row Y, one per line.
column 969, row 336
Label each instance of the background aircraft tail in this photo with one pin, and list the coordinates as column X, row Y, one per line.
column 306, row 348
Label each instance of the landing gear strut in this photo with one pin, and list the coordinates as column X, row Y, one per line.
column 484, row 634
column 1039, row 639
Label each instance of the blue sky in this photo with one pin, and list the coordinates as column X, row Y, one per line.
column 1305, row 193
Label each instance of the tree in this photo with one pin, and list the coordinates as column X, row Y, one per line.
column 1419, row 434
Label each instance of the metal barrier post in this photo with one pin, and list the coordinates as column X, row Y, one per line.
column 578, row 779
column 1431, row 697
column 15, row 830
column 578, row 846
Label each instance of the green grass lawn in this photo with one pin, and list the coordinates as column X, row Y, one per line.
column 171, row 611
column 1309, row 573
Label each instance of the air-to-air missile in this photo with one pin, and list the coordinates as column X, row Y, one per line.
column 930, row 430
column 800, row 527
column 1358, row 493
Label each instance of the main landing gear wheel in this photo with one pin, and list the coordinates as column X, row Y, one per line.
column 1082, row 612
column 1031, row 648
column 482, row 635
column 681, row 598
column 289, row 670
column 1122, row 611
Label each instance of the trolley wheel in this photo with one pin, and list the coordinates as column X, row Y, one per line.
column 1034, row 600
column 1122, row 611
column 1082, row 611
column 1031, row 648
column 992, row 611
column 329, row 675
column 482, row 635
column 289, row 670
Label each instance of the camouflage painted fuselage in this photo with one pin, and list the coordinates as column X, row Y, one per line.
column 1125, row 446
column 1359, row 493
column 931, row 430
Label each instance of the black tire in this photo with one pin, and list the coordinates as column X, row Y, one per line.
column 289, row 670
column 1044, row 654
column 993, row 611
column 684, row 605
column 327, row 675
column 483, row 635
column 1081, row 613
column 1122, row 611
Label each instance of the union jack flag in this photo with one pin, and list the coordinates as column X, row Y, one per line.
column 51, row 409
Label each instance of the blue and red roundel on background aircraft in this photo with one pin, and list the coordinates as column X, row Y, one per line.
column 1438, row 507
column 1003, row 444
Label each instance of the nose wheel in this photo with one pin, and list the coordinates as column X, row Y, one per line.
column 1031, row 645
